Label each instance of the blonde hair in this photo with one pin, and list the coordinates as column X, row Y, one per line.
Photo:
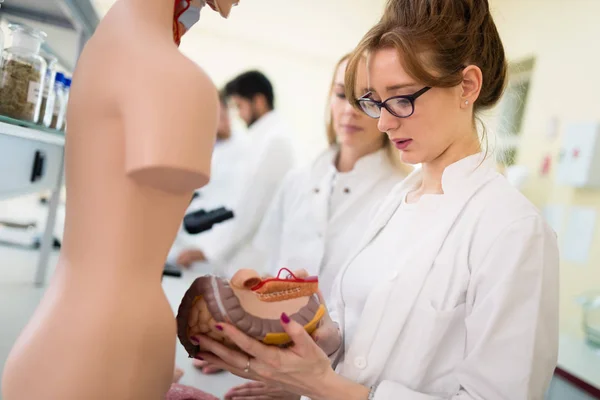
column 437, row 39
column 391, row 152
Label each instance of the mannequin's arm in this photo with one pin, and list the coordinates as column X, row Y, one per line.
column 170, row 130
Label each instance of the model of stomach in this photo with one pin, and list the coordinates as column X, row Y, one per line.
column 251, row 303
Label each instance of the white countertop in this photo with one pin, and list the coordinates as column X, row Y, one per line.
column 32, row 134
column 580, row 359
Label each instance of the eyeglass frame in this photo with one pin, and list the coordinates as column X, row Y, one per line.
column 383, row 104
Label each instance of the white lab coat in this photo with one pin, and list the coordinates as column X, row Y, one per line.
column 270, row 157
column 227, row 171
column 226, row 181
column 318, row 214
column 473, row 312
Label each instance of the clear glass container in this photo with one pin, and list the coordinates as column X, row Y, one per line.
column 48, row 95
column 22, row 74
column 62, row 118
column 1, row 44
column 59, row 101
column 590, row 303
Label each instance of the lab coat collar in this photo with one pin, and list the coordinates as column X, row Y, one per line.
column 454, row 178
column 367, row 172
column 264, row 123
column 454, row 175
column 364, row 166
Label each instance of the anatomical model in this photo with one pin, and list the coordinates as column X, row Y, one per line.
column 252, row 304
column 141, row 127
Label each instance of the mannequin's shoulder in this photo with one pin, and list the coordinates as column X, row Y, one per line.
column 172, row 81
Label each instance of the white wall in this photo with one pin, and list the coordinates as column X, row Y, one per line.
column 563, row 37
column 295, row 43
column 300, row 83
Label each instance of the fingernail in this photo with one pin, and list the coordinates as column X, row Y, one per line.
column 316, row 338
column 199, row 358
column 285, row 318
column 194, row 340
column 219, row 327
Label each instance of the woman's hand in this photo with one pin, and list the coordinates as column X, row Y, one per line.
column 259, row 390
column 327, row 335
column 303, row 368
column 189, row 256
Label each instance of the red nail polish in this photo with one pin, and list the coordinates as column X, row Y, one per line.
column 219, row 327
column 285, row 318
column 194, row 340
column 199, row 358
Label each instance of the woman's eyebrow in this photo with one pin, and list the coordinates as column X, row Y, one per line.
column 398, row 86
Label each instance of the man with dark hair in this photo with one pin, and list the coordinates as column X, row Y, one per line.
column 252, row 94
column 270, row 156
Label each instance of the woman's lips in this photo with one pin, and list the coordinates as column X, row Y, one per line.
column 351, row 128
column 402, row 144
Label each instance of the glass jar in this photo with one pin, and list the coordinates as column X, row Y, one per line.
column 22, row 74
column 66, row 92
column 1, row 44
column 48, row 96
column 59, row 86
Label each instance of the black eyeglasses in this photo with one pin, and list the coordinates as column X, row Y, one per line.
column 398, row 106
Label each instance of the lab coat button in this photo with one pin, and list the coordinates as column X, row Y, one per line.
column 360, row 362
column 316, row 190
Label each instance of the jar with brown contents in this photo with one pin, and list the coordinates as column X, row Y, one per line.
column 23, row 74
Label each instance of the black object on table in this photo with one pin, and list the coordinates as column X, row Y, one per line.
column 201, row 220
column 197, row 222
column 172, row 270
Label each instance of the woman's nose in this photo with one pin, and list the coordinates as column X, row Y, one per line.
column 387, row 121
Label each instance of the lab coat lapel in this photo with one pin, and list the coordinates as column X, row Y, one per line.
column 388, row 308
column 380, row 218
column 358, row 192
column 388, row 207
column 320, row 199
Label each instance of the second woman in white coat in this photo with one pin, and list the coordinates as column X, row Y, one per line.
column 321, row 208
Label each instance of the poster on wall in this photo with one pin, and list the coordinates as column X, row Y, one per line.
column 579, row 234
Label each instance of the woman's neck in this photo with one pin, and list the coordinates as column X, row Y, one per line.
column 348, row 156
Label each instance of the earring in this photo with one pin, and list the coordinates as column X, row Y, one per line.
column 467, row 102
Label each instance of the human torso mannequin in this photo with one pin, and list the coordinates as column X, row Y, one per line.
column 137, row 147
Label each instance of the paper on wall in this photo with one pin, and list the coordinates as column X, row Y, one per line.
column 579, row 234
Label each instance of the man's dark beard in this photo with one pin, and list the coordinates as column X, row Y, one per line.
column 223, row 136
column 255, row 116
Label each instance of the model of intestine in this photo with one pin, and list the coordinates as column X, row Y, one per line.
column 251, row 303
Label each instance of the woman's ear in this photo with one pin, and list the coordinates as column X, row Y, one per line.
column 471, row 85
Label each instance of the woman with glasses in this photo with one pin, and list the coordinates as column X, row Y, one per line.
column 452, row 292
column 320, row 210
